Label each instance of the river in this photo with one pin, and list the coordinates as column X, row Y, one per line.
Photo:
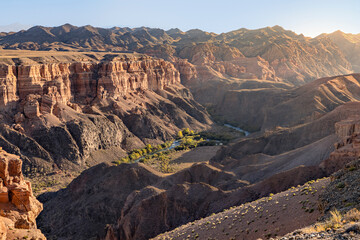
column 173, row 145
column 238, row 129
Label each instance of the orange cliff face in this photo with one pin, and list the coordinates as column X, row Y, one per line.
column 41, row 86
column 18, row 206
column 348, row 148
column 69, row 105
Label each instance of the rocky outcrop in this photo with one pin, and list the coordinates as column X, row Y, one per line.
column 19, row 208
column 8, row 84
column 348, row 149
column 52, row 83
column 348, row 127
column 73, row 105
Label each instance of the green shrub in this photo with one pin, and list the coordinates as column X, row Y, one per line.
column 180, row 135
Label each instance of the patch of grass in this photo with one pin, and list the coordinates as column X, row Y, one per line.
column 352, row 216
column 334, row 222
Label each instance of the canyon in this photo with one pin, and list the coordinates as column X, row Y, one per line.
column 74, row 101
column 245, row 170
column 58, row 109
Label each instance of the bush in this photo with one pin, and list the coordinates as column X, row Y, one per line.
column 352, row 216
column 148, row 148
column 340, row 185
column 164, row 163
column 334, row 222
column 180, row 135
column 186, row 131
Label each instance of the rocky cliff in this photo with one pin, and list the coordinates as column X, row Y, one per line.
column 18, row 207
column 348, row 148
column 59, row 108
column 63, row 82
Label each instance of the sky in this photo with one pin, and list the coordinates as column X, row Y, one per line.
column 310, row 17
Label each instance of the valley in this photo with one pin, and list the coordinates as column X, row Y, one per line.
column 141, row 133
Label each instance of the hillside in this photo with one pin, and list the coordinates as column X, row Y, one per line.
column 349, row 44
column 264, row 218
column 320, row 209
column 286, row 107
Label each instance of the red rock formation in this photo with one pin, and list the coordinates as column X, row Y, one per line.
column 348, row 149
column 221, row 61
column 44, row 85
column 8, row 86
column 18, row 207
column 58, row 96
column 347, row 127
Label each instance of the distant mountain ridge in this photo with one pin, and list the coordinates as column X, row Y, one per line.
column 14, row 27
column 349, row 44
column 294, row 58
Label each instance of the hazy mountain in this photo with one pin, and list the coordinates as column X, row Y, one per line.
column 14, row 27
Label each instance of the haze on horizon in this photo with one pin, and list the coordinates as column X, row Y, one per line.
column 302, row 16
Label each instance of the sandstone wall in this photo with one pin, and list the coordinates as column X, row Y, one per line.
column 19, row 208
column 56, row 111
column 40, row 86
column 348, row 148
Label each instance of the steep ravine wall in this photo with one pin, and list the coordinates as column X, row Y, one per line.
column 63, row 111
column 71, row 82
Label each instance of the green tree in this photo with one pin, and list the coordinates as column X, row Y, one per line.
column 180, row 134
column 149, row 148
column 164, row 164
column 186, row 131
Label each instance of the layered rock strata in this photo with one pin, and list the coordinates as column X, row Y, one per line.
column 348, row 148
column 66, row 107
column 18, row 207
column 42, row 86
